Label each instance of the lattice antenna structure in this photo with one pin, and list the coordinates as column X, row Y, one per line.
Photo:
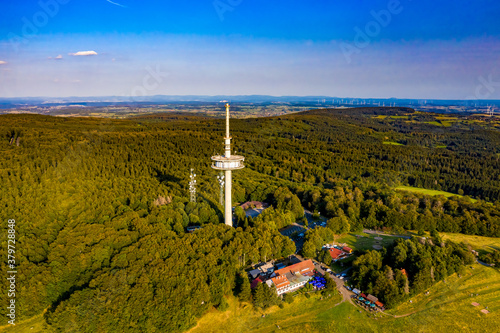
column 192, row 186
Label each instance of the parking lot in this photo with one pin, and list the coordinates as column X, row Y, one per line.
column 291, row 229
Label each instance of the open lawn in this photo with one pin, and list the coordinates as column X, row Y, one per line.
column 478, row 243
column 428, row 192
column 342, row 265
column 365, row 242
column 392, row 143
column 447, row 308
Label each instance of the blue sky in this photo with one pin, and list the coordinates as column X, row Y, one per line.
column 390, row 48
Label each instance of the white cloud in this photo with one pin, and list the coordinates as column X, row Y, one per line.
column 59, row 57
column 83, row 53
column 2, row 62
column 116, row 4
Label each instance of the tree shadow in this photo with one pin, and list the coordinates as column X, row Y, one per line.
column 167, row 178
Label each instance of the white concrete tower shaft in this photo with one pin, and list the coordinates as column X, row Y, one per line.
column 227, row 163
column 228, row 209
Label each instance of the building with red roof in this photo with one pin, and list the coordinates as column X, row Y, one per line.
column 347, row 249
column 255, row 283
column 293, row 277
column 380, row 305
column 335, row 253
column 280, row 282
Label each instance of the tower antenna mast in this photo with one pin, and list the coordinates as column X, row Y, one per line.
column 192, row 186
column 227, row 163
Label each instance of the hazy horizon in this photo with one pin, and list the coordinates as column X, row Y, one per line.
column 385, row 49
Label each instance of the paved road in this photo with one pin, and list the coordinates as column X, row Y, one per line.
column 312, row 222
column 346, row 294
column 253, row 212
column 483, row 263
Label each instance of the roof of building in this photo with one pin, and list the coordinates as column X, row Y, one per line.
column 362, row 295
column 257, row 204
column 255, row 282
column 380, row 305
column 280, row 281
column 305, row 267
column 372, row 298
column 280, row 266
column 347, row 249
column 266, row 266
column 294, row 274
column 335, row 253
column 254, row 273
column 356, row 291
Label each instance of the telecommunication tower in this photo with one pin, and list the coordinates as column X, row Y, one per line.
column 192, row 186
column 227, row 163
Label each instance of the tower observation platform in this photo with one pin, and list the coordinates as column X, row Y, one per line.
column 227, row 163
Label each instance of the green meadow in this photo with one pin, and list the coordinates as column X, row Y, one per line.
column 445, row 308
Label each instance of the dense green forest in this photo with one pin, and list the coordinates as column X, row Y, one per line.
column 101, row 205
column 408, row 267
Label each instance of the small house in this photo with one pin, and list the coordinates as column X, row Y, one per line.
column 255, row 283
column 347, row 249
column 335, row 253
column 280, row 266
column 254, row 273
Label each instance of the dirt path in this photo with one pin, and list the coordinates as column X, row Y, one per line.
column 346, row 296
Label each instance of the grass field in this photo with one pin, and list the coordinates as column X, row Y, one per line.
column 392, row 143
column 366, row 242
column 428, row 192
column 478, row 243
column 447, row 308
